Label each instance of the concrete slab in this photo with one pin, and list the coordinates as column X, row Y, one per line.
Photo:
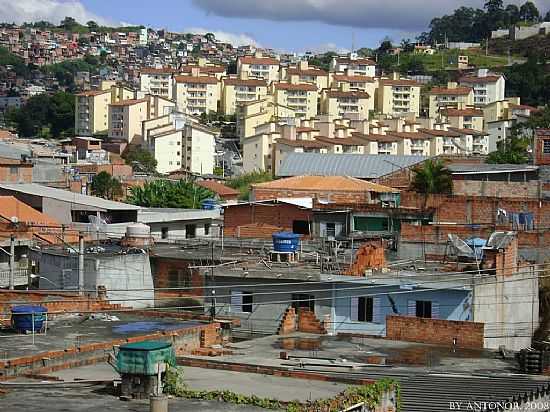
column 264, row 386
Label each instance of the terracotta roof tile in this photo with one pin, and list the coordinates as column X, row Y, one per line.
column 259, row 60
column 457, row 91
column 440, row 133
column 196, row 79
column 399, row 82
column 462, row 112
column 347, row 60
column 11, row 207
column 351, row 93
column 302, row 86
column 382, row 138
column 245, row 82
column 307, row 72
column 311, row 144
column 128, row 102
column 356, row 79
column 218, row 188
column 328, row 183
column 476, row 79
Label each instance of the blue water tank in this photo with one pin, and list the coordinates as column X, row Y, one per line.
column 22, row 318
column 286, row 242
column 209, row 204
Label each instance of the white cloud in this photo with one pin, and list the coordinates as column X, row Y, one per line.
column 408, row 15
column 236, row 39
column 327, row 47
column 19, row 11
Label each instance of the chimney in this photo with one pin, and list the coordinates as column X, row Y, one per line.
column 288, row 131
column 195, row 71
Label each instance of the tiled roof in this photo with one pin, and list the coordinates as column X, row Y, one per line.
column 346, row 141
column 440, row 133
column 218, row 188
column 382, row 138
column 399, row 82
column 246, row 82
column 524, row 107
column 476, row 79
column 156, row 70
column 258, row 60
column 471, row 132
column 306, row 129
column 357, row 78
column 196, row 79
column 203, row 69
column 320, row 183
column 411, row 135
column 457, row 91
column 352, row 93
column 90, row 93
column 307, row 72
column 347, row 60
column 462, row 112
column 310, row 144
column 302, row 86
column 128, row 102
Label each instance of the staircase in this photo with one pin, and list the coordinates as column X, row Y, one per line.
column 308, row 322
column 288, row 322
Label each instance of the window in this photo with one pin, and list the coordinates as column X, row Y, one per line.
column 206, row 229
column 301, row 300
column 13, row 170
column 331, row 229
column 300, row 227
column 164, row 233
column 241, row 302
column 545, row 149
column 365, row 310
column 190, row 231
column 423, row 309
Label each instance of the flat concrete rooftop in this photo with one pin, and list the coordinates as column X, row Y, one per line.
column 75, row 330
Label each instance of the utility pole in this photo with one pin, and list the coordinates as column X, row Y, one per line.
column 12, row 262
column 80, row 264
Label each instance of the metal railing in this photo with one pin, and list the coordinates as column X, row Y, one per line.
column 21, row 277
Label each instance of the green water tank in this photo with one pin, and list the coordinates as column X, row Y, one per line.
column 141, row 358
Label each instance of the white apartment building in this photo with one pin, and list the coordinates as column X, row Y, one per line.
column 301, row 98
column 398, row 96
column 353, row 65
column 157, row 81
column 196, row 94
column 488, row 87
column 258, row 66
column 125, row 119
column 451, row 96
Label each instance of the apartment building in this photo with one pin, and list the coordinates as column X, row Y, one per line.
column 258, row 149
column 301, row 98
column 413, row 143
column 398, row 96
column 451, row 96
column 353, row 65
column 379, row 144
column 488, row 87
column 238, row 91
column 303, row 73
column 91, row 111
column 343, row 102
column 468, row 118
column 181, row 143
column 284, row 147
column 157, row 81
column 259, row 66
column 195, row 94
column 445, row 142
column 472, row 141
column 253, row 114
column 125, row 119
column 204, row 69
column 355, row 82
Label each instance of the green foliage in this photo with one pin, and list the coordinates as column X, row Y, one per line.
column 218, row 171
column 370, row 394
column 45, row 116
column 65, row 71
column 141, row 160
column 166, row 193
column 432, row 178
column 106, row 186
column 322, row 61
column 242, row 183
column 529, row 80
column 19, row 66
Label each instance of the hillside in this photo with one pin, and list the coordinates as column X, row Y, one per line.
column 536, row 45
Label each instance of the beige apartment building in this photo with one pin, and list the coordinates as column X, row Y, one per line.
column 125, row 119
column 353, row 65
column 301, row 98
column 379, row 144
column 283, row 147
column 236, row 92
column 196, row 94
column 355, row 82
column 92, row 107
column 256, row 113
column 258, row 66
column 467, row 118
column 157, row 81
column 451, row 96
column 398, row 96
column 344, row 102
column 303, row 73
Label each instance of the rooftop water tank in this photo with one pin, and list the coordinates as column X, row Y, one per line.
column 286, row 242
column 22, row 318
column 141, row 358
column 209, row 204
column 138, row 230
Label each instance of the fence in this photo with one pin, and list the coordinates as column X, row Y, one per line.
column 20, row 277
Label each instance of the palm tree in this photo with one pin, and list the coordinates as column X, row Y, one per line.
column 432, row 177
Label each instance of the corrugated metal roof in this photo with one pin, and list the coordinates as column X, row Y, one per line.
column 355, row 165
column 458, row 168
column 66, row 196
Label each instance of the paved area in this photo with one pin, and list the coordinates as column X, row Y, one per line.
column 70, row 330
column 264, row 386
column 96, row 399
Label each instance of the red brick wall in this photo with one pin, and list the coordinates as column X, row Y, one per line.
column 335, row 195
column 279, row 215
column 540, row 157
column 170, row 273
column 435, row 331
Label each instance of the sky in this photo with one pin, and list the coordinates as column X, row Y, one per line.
column 290, row 25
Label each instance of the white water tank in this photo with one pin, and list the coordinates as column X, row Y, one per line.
column 138, row 235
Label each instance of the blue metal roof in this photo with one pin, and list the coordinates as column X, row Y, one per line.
column 354, row 165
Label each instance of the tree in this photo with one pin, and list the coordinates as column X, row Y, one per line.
column 242, row 183
column 513, row 150
column 141, row 160
column 513, row 14
column 529, row 12
column 547, row 16
column 493, row 6
column 385, row 45
column 432, row 177
column 92, row 25
column 166, row 194
column 106, row 186
column 69, row 23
